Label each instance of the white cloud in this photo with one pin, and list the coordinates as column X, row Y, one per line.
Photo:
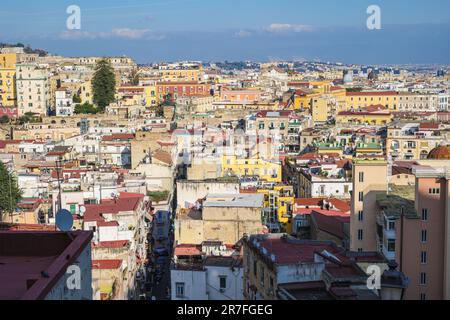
column 123, row 33
column 128, row 33
column 286, row 27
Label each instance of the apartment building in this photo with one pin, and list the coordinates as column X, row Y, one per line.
column 222, row 217
column 280, row 267
column 413, row 228
column 33, row 89
column 370, row 176
column 414, row 141
column 416, row 102
column 364, row 99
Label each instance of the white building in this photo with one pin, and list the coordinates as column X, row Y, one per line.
column 215, row 278
column 64, row 103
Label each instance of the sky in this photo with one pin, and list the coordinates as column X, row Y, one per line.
column 216, row 30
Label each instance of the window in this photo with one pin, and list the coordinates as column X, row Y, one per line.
column 360, row 234
column 360, row 215
column 391, row 245
column 180, row 289
column 424, row 214
column 223, row 282
column 361, row 196
column 361, row 177
column 424, row 236
column 391, row 225
column 255, row 268
column 423, row 278
column 423, row 257
column 423, row 296
column 434, row 191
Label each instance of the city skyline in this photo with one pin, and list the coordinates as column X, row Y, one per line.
column 214, row 31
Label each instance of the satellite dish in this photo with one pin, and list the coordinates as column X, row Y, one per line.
column 82, row 210
column 64, row 220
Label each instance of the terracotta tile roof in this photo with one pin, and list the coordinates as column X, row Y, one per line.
column 163, row 156
column 331, row 222
column 106, row 264
column 188, row 250
column 111, row 244
column 125, row 202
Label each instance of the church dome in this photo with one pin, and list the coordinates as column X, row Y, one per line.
column 440, row 153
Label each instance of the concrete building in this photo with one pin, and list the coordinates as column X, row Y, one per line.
column 33, row 89
column 222, row 217
column 370, row 177
column 280, row 267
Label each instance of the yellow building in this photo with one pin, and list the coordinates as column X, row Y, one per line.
column 279, row 203
column 182, row 74
column 320, row 109
column 373, row 115
column 358, row 100
column 255, row 166
column 8, row 96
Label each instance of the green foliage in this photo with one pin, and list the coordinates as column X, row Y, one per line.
column 354, row 89
column 104, row 84
column 86, row 108
column 159, row 112
column 4, row 119
column 29, row 117
column 158, row 196
column 134, row 77
column 76, row 98
column 167, row 100
column 10, row 193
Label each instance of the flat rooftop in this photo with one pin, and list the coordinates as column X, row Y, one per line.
column 251, row 200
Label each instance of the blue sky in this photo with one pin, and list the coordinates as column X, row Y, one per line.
column 211, row 30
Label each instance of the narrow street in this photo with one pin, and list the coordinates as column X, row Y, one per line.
column 159, row 275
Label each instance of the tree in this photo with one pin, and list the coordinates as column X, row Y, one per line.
column 76, row 98
column 134, row 77
column 10, row 194
column 104, row 84
column 4, row 119
column 85, row 108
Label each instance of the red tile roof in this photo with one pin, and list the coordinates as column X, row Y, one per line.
column 331, row 222
column 118, row 136
column 106, row 264
column 125, row 202
column 287, row 252
column 111, row 244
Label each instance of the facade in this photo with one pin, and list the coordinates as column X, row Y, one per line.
column 276, row 266
column 222, row 217
column 369, row 179
column 33, row 89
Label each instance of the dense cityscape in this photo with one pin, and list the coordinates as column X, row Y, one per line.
column 224, row 159
column 222, row 181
